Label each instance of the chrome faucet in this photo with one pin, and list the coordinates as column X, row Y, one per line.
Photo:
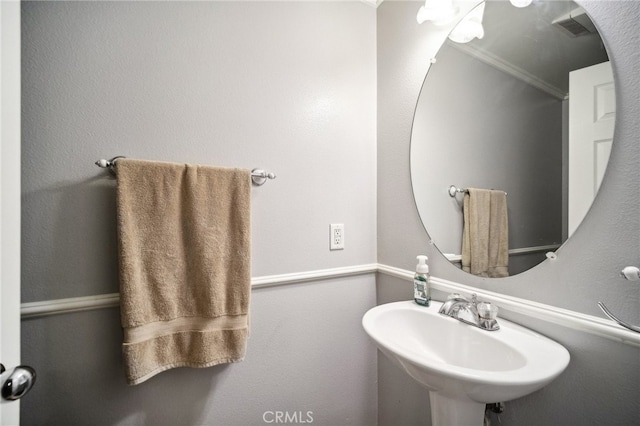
column 474, row 312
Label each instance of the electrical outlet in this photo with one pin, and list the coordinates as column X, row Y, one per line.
column 337, row 236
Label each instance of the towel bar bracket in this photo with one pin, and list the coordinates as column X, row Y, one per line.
column 109, row 164
column 453, row 190
column 259, row 176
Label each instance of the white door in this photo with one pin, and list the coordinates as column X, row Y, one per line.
column 10, row 199
column 592, row 110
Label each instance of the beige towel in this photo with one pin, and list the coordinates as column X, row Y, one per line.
column 185, row 275
column 485, row 236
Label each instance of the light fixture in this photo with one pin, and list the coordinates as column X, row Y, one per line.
column 470, row 27
column 521, row 3
column 440, row 12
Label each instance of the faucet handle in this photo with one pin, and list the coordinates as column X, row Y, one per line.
column 457, row 297
column 487, row 311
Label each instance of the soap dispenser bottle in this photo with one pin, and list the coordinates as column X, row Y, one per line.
column 421, row 290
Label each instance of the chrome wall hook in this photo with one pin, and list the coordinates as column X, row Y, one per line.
column 631, row 273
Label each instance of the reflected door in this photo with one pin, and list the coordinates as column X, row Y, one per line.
column 591, row 122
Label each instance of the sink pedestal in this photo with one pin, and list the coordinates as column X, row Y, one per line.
column 447, row 411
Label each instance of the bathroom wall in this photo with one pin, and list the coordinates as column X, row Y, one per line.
column 601, row 382
column 285, row 86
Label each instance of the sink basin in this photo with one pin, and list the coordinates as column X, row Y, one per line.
column 462, row 366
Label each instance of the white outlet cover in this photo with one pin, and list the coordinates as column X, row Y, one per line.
column 336, row 237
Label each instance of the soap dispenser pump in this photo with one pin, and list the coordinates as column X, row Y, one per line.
column 421, row 290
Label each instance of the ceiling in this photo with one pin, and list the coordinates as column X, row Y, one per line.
column 525, row 43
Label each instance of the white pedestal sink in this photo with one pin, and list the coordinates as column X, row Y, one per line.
column 462, row 366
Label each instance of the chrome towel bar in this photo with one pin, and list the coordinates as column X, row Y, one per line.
column 453, row 190
column 258, row 176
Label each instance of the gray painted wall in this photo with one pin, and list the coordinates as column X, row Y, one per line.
column 603, row 379
column 288, row 87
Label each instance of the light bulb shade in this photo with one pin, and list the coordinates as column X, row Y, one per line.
column 521, row 3
column 466, row 31
column 470, row 26
column 440, row 12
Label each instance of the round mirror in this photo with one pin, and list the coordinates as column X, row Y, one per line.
column 528, row 109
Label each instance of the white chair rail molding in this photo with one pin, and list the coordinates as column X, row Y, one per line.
column 552, row 314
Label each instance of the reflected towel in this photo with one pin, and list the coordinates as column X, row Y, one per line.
column 485, row 236
column 184, row 252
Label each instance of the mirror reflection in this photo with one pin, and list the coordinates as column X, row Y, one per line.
column 527, row 109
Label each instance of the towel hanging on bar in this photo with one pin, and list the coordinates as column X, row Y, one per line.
column 184, row 256
column 485, row 233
